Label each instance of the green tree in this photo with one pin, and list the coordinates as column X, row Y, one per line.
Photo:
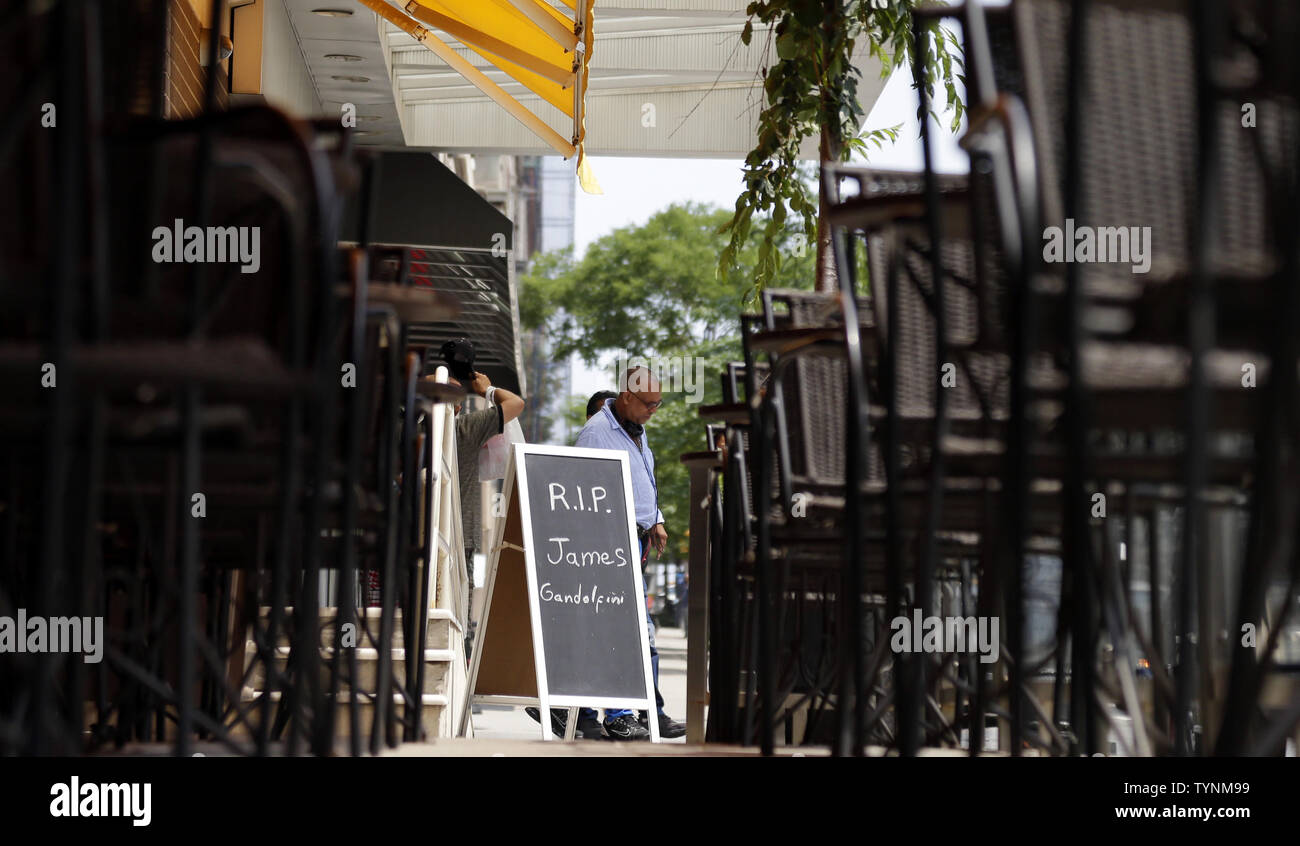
column 812, row 90
column 652, row 291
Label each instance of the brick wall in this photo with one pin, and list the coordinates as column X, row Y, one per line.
column 185, row 78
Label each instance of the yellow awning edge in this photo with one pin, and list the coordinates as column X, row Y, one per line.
column 531, row 41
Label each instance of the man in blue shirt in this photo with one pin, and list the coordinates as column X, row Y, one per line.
column 620, row 424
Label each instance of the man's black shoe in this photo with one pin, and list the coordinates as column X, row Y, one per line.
column 668, row 727
column 559, row 719
column 590, row 729
column 626, row 728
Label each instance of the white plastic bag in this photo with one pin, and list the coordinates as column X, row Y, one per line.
column 493, row 456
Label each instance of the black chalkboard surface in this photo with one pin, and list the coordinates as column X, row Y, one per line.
column 588, row 571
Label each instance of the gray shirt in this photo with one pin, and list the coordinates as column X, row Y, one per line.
column 473, row 429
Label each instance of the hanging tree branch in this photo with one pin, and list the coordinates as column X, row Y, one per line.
column 812, row 90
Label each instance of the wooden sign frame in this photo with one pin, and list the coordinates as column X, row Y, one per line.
column 509, row 662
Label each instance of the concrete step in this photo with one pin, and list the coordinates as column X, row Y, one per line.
column 437, row 665
column 435, row 712
column 439, row 622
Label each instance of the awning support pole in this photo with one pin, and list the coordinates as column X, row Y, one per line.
column 545, row 21
column 492, row 44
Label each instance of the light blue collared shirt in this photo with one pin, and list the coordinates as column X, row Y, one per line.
column 603, row 432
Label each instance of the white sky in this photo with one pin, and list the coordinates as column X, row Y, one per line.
column 637, row 188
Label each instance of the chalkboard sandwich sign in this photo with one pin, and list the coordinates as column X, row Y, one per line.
column 564, row 620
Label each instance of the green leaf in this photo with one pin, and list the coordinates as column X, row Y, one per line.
column 786, row 46
column 742, row 228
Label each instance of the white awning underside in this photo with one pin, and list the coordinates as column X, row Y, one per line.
column 667, row 78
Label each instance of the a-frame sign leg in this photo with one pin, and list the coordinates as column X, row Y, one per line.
column 571, row 725
column 502, row 669
column 476, row 660
column 490, row 593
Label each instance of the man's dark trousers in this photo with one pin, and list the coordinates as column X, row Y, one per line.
column 610, row 713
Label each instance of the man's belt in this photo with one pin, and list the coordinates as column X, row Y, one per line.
column 642, row 534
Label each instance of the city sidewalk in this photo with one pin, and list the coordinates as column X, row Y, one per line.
column 497, row 722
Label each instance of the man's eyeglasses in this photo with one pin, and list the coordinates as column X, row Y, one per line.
column 650, row 406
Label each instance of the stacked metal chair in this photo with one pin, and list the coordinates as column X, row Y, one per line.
column 824, row 516
column 209, row 446
column 774, row 575
column 1139, row 350
column 730, row 615
column 1089, row 410
column 1170, row 350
